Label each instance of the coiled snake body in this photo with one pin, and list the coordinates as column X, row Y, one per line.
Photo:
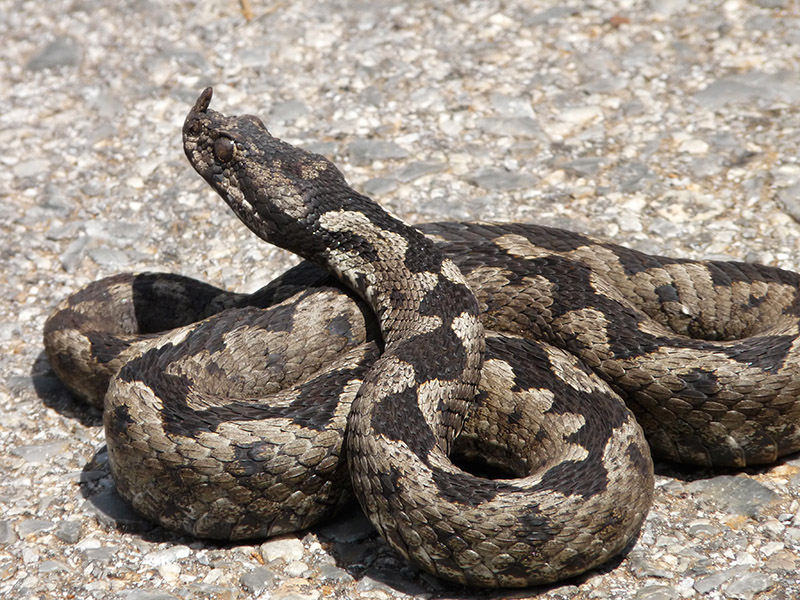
column 450, row 349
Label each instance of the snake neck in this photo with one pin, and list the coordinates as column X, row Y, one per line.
column 411, row 287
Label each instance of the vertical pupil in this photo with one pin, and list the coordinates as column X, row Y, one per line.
column 223, row 149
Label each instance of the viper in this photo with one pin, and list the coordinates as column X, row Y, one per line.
column 484, row 389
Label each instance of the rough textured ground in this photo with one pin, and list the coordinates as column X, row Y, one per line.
column 670, row 126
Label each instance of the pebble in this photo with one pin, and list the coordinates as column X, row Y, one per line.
column 39, row 453
column 63, row 51
column 52, row 566
column 296, row 568
column 363, row 152
column 31, row 168
column 288, row 111
column 736, row 495
column 257, row 580
column 494, row 179
column 748, row 585
column 70, row 258
column 518, row 127
column 7, row 535
column 102, row 554
column 68, row 531
column 656, row 592
column 419, row 168
column 711, row 582
column 109, row 257
column 380, row 186
column 34, row 526
column 789, row 197
column 149, row 595
column 166, row 556
column 334, row 574
column 287, row 549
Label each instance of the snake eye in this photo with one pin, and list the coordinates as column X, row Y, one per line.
column 223, row 149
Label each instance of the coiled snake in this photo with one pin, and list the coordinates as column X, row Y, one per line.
column 465, row 378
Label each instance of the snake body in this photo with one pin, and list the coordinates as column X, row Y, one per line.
column 464, row 378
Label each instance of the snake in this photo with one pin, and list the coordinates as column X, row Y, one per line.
column 492, row 394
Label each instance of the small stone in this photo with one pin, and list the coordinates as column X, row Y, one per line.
column 634, row 177
column 419, row 168
column 495, row 179
column 702, row 528
column 748, row 585
column 170, row 572
column 257, row 580
column 372, row 584
column 551, row 14
column 109, row 257
column 149, row 595
column 427, row 99
column 69, row 531
column 363, row 152
column 379, row 186
column 573, row 120
column 714, row 580
column 7, row 570
column 210, row 591
column 32, row 167
column 32, row 526
column 288, row 111
column 771, row 548
column 793, row 534
column 52, row 566
column 789, row 197
column 782, row 561
column 288, row 549
column 518, row 127
column 61, row 52
column 693, row 146
column 642, row 566
column 629, row 221
column 735, row 495
column 585, row 166
column 40, row 453
column 101, row 554
column 565, row 592
column 332, row 573
column 166, row 556
column 656, row 592
column 722, row 92
column 752, row 87
column 296, row 568
column 511, row 106
column 71, row 257
column 7, row 535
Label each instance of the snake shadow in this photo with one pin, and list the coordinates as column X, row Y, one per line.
column 56, row 396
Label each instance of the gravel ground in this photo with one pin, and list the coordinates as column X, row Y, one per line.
column 670, row 126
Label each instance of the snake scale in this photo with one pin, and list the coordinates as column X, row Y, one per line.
column 465, row 380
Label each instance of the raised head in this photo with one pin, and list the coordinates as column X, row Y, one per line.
column 276, row 189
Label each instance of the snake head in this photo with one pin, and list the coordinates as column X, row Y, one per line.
column 276, row 189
